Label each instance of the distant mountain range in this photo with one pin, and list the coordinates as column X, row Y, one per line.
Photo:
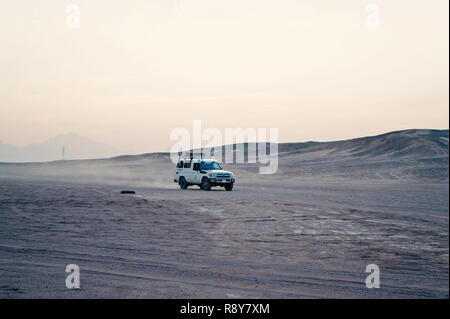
column 75, row 147
column 397, row 143
column 416, row 154
column 414, row 142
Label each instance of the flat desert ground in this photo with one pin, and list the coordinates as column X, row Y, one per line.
column 308, row 231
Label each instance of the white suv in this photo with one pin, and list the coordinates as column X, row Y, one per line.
column 202, row 172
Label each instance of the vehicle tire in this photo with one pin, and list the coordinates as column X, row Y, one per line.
column 206, row 184
column 182, row 182
column 229, row 187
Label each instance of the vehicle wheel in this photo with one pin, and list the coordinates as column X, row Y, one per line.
column 229, row 187
column 182, row 182
column 206, row 185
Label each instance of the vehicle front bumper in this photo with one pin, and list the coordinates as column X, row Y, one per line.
column 220, row 181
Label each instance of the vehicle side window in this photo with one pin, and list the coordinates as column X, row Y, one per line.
column 196, row 167
column 187, row 164
column 180, row 164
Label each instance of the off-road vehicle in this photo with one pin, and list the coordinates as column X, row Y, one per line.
column 202, row 172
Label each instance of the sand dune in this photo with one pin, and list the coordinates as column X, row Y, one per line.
column 403, row 155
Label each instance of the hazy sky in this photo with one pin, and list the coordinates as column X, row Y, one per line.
column 136, row 69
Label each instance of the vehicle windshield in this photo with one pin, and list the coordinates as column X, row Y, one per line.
column 206, row 166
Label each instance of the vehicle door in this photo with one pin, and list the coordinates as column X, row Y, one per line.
column 196, row 173
column 178, row 170
column 187, row 171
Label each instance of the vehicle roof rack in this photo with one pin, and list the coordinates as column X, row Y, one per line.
column 192, row 155
column 196, row 155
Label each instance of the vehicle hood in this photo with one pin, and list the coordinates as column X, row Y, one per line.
column 220, row 171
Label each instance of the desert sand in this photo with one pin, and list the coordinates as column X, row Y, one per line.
column 308, row 231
